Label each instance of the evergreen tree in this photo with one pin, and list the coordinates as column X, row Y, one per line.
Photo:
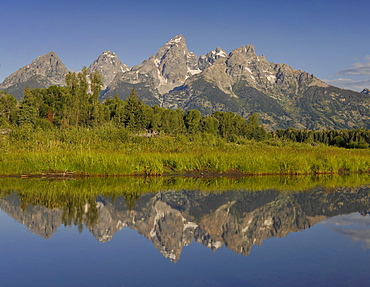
column 192, row 121
column 133, row 114
column 8, row 106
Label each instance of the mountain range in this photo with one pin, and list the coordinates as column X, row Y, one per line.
column 172, row 220
column 239, row 81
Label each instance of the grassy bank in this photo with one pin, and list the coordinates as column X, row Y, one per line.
column 111, row 151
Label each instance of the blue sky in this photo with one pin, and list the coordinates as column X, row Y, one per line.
column 327, row 38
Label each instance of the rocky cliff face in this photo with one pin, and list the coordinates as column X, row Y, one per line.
column 108, row 65
column 43, row 72
column 172, row 220
column 244, row 83
column 162, row 72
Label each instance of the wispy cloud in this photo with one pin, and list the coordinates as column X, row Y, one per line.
column 359, row 69
column 355, row 78
column 350, row 84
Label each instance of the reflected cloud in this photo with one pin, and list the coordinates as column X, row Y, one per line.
column 356, row 226
column 356, row 235
column 360, row 218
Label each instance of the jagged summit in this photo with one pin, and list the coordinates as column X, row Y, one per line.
column 162, row 72
column 108, row 65
column 44, row 71
column 210, row 58
column 240, row 81
column 48, row 65
column 176, row 40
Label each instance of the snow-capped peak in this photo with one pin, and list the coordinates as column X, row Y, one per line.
column 175, row 40
column 109, row 54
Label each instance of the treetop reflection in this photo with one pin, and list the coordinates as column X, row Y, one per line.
column 172, row 212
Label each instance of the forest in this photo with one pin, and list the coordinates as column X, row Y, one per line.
column 67, row 130
column 77, row 105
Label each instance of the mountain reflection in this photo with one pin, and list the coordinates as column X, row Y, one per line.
column 171, row 220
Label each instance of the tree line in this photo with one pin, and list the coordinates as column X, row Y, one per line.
column 355, row 138
column 77, row 105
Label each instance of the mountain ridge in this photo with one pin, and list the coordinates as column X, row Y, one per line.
column 240, row 82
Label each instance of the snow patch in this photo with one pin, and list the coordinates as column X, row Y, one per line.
column 162, row 80
column 271, row 78
column 217, row 244
column 268, row 222
column 109, row 54
column 248, row 224
column 249, row 70
column 191, row 225
column 194, row 72
column 219, row 54
column 175, row 40
column 157, row 62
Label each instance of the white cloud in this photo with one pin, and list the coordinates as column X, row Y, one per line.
column 357, row 77
column 359, row 69
column 350, row 84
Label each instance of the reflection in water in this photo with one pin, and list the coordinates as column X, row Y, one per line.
column 359, row 224
column 173, row 219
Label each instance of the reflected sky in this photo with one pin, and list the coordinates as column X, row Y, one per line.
column 312, row 238
column 356, row 226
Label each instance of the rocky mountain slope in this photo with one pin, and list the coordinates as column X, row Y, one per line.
column 108, row 65
column 172, row 220
column 244, row 83
column 239, row 81
column 43, row 72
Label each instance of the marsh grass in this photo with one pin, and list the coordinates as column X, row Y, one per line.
column 110, row 151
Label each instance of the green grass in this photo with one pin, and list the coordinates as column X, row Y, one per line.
column 110, row 151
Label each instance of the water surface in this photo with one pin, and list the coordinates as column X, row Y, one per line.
column 128, row 233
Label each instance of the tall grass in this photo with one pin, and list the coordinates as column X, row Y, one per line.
column 112, row 151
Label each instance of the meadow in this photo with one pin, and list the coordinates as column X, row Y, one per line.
column 112, row 151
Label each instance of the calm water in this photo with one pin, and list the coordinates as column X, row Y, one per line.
column 317, row 237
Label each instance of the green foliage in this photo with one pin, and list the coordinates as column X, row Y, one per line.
column 133, row 113
column 112, row 150
column 192, row 121
column 8, row 106
column 75, row 116
column 356, row 138
column 209, row 125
